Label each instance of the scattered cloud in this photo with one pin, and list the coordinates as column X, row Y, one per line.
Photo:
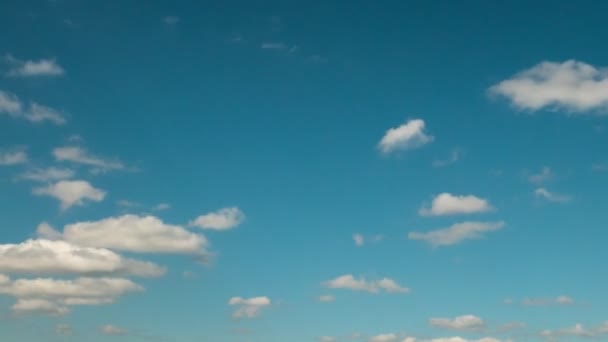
column 39, row 307
column 222, row 219
column 133, row 233
column 327, row 339
column 359, row 239
column 113, row 330
column 273, row 46
column 127, row 204
column 405, row 137
column 457, row 233
column 384, row 338
column 13, row 157
column 349, row 282
column 170, row 20
column 455, row 156
column 327, row 298
column 36, row 113
column 248, row 308
column 71, row 193
column 448, row 204
column 560, row 300
column 543, row 176
column 463, row 323
column 551, row 196
column 32, row 68
column 50, row 174
column 161, row 206
column 80, row 155
column 577, row 330
column 60, row 257
column 573, row 86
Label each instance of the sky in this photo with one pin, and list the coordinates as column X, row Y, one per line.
column 388, row 171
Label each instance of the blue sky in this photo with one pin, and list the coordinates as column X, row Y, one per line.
column 422, row 171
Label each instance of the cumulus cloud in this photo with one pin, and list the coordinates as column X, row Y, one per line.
column 71, row 193
column 249, row 308
column 133, row 233
column 60, row 257
column 32, row 68
column 571, row 85
column 405, row 137
column 13, row 157
column 466, row 322
column 457, row 233
column 326, row 298
column 50, row 174
column 113, row 330
column 80, row 155
column 11, row 105
column 222, row 219
column 448, row 204
column 551, row 196
column 348, row 281
column 39, row 307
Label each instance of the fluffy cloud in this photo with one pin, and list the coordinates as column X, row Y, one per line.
column 248, row 308
column 13, row 157
column 349, row 282
column 80, row 155
column 222, row 219
column 448, row 204
column 571, row 85
column 326, row 298
column 551, row 196
column 466, row 322
column 457, row 233
column 384, row 338
column 113, row 330
column 60, row 257
column 71, row 193
column 407, row 136
column 39, row 307
column 50, row 174
column 31, row 68
column 132, row 233
column 36, row 113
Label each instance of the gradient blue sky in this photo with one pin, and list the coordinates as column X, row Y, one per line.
column 279, row 109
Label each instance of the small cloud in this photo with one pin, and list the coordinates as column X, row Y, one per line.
column 574, row 86
column 455, row 156
column 161, row 207
column 384, row 338
column 249, row 308
column 113, row 330
column 11, row 105
column 170, row 20
column 359, row 239
column 222, row 219
column 599, row 167
column 461, row 323
column 13, row 156
column 273, row 46
column 551, row 196
column 79, row 155
column 405, row 137
column 543, row 176
column 31, row 68
column 349, row 282
column 457, row 233
column 326, row 298
column 559, row 300
column 47, row 175
column 448, row 204
column 71, row 193
column 127, row 204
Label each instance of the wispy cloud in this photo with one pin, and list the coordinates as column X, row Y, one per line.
column 462, row 323
column 543, row 176
column 80, row 155
column 222, row 219
column 13, row 156
column 551, row 196
column 12, row 106
column 405, row 137
column 348, row 281
column 457, row 233
column 33, row 68
column 249, row 307
column 170, row 20
column 47, row 175
column 455, row 156
column 273, row 46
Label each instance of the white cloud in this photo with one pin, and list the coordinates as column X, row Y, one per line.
column 327, row 339
column 113, row 330
column 405, row 137
column 326, row 298
column 559, row 300
column 249, row 308
column 551, row 196
column 170, row 20
column 133, row 233
column 60, row 257
column 39, row 307
column 359, row 239
column 80, row 155
column 222, row 219
column 384, row 338
column 161, row 206
column 460, row 339
column 47, row 175
column 571, row 85
column 466, row 322
column 543, row 176
column 13, row 157
column 448, row 204
column 348, row 281
column 457, row 233
column 31, row 68
column 36, row 113
column 455, row 156
column 71, row 193
column 577, row 330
